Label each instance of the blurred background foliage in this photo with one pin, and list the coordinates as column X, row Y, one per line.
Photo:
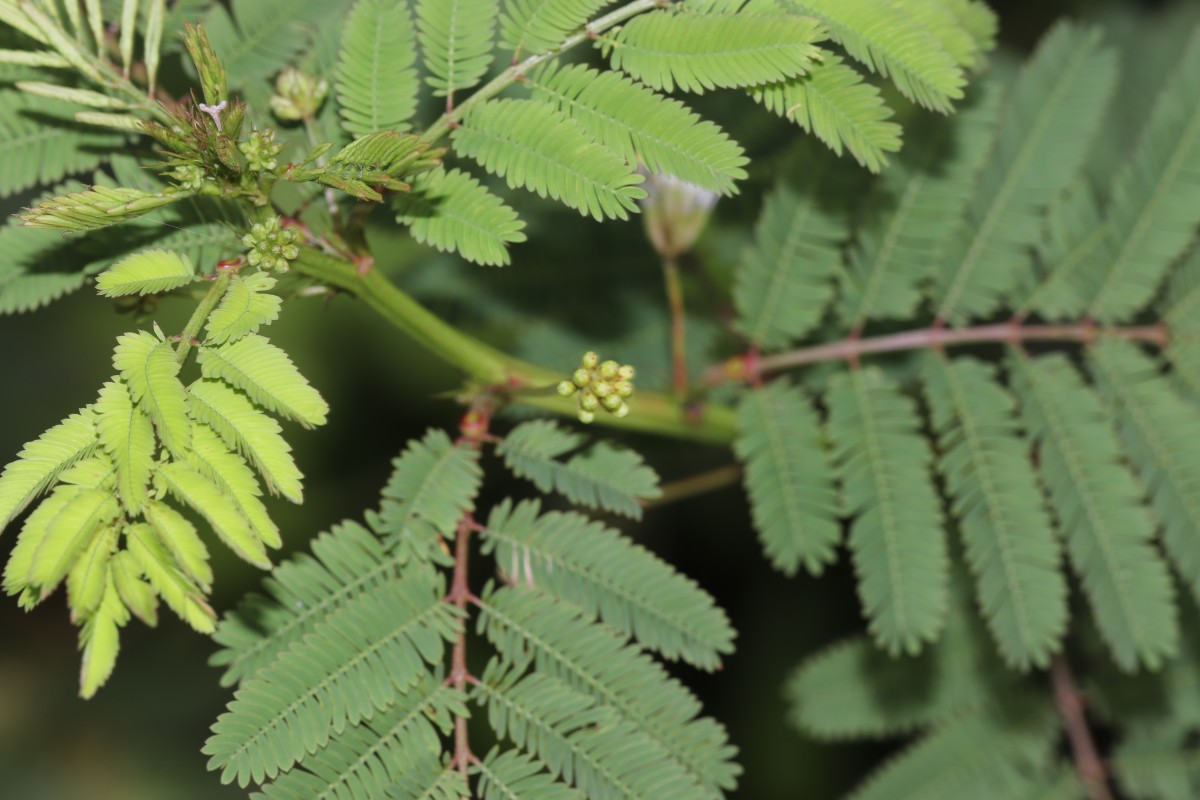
column 575, row 285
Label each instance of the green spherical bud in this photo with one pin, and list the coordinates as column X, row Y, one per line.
column 586, row 416
column 588, row 401
column 602, row 389
column 608, row 370
column 622, row 411
column 623, row 388
column 613, row 402
column 566, row 388
column 589, row 360
column 582, row 377
column 626, row 372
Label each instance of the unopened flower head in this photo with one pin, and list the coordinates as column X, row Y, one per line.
column 599, row 386
column 674, row 212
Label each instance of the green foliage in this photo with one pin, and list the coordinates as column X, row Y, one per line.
column 452, row 211
column 42, row 146
column 267, row 376
column 530, row 27
column 376, row 80
column 602, row 477
column 456, row 41
column 148, row 272
column 245, row 307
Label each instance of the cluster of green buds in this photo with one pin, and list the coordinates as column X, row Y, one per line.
column 298, row 95
column 271, row 245
column 261, row 150
column 600, row 384
column 190, row 177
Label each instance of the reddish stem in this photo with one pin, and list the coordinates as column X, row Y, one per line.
column 458, row 659
column 1069, row 699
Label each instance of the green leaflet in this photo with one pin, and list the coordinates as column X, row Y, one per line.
column 509, row 774
column 530, row 27
column 166, row 577
column 150, row 371
column 229, row 472
column 788, row 478
column 433, row 484
column 453, row 212
column 456, row 41
column 1099, row 506
column 376, row 81
column 642, row 126
column 99, row 641
column 127, row 435
column 357, row 662
column 573, row 557
column 602, row 477
column 147, row 272
column 1001, row 511
column 784, row 283
column 267, row 376
column 55, row 536
column 896, row 535
column 180, row 538
column 96, row 208
column 41, row 461
column 130, row 583
column 694, row 53
column 533, row 145
column 834, row 103
column 42, row 145
column 267, row 36
column 245, row 307
column 1072, row 242
column 1158, row 427
column 1052, row 113
column 1157, row 762
column 251, row 432
column 88, row 579
column 222, row 513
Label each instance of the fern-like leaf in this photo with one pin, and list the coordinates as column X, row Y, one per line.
column 222, row 512
column 267, row 376
column 376, row 81
column 697, row 53
column 788, row 477
column 257, row 38
column 1072, row 244
column 508, row 775
column 1054, row 110
column 1100, row 509
column 896, row 536
column 136, row 594
column 530, row 27
column 229, row 473
column 147, row 272
column 594, row 567
column 99, row 640
column 456, row 42
column 355, row 663
column 602, row 477
column 834, row 103
column 785, row 280
column 127, row 435
column 41, row 461
column 164, row 574
column 42, row 147
column 1157, row 427
column 88, row 578
column 1000, row 509
column 1157, row 763
column 251, row 432
column 892, row 43
column 1155, row 204
column 184, row 544
column 455, row 213
column 150, row 371
column 245, row 307
column 594, row 659
column 641, row 125
column 533, row 145
column 55, row 535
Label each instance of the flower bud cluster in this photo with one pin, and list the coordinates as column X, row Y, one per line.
column 298, row 95
column 190, row 177
column 261, row 150
column 271, row 245
column 600, row 385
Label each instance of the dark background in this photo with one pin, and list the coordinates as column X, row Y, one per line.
column 140, row 737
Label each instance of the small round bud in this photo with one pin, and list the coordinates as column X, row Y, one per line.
column 626, row 372
column 602, row 389
column 609, row 369
column 589, row 360
column 613, row 402
column 582, row 377
column 586, row 416
column 588, row 401
column 623, row 388
column 622, row 411
column 566, row 388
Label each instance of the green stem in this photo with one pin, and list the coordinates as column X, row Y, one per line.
column 674, row 289
column 516, row 71
column 215, row 292
column 650, row 412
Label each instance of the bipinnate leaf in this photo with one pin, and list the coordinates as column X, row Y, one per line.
column 246, row 306
column 788, row 478
column 150, row 370
column 41, row 461
column 510, row 774
column 530, row 27
column 127, row 435
column 573, row 557
column 354, row 664
column 602, row 477
column 267, row 376
column 1101, row 510
column 896, row 532
column 146, row 272
column 249, row 431
column 533, row 145
column 433, row 484
column 166, row 577
column 1010, row 544
column 453, row 212
column 376, row 81
column 456, row 41
column 697, row 53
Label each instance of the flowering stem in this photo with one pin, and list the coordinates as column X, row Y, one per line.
column 678, row 325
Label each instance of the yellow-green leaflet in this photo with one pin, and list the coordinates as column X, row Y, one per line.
column 267, row 375
column 136, row 593
column 245, row 307
column 41, row 461
column 87, row 580
column 128, row 437
column 207, row 499
column 168, row 580
column 150, row 369
column 100, row 640
column 147, row 272
column 181, row 539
